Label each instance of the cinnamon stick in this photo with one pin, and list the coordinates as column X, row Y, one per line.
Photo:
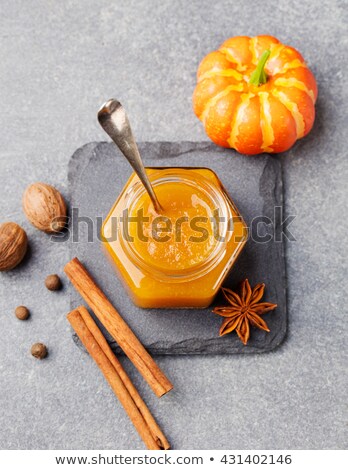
column 97, row 346
column 117, row 327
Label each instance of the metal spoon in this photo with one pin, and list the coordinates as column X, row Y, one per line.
column 114, row 120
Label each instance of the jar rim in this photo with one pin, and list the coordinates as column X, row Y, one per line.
column 217, row 195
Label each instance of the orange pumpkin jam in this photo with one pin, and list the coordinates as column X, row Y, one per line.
column 182, row 236
column 180, row 257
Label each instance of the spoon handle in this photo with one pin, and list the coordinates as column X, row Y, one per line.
column 114, row 120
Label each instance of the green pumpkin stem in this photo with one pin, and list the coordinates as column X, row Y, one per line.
column 259, row 77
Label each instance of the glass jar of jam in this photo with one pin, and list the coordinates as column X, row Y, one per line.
column 180, row 257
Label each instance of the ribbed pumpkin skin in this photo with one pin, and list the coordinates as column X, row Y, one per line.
column 255, row 119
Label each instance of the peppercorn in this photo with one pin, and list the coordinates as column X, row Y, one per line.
column 22, row 313
column 39, row 350
column 53, row 282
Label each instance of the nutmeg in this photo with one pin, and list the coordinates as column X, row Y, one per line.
column 13, row 245
column 44, row 207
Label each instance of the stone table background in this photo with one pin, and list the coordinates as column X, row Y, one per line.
column 59, row 62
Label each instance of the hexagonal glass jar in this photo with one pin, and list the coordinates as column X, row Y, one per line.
column 182, row 271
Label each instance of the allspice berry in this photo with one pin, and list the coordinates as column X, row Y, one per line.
column 22, row 313
column 39, row 350
column 53, row 282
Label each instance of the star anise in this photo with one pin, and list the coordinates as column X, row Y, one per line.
column 244, row 309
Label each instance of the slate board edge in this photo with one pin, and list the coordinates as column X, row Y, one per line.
column 208, row 346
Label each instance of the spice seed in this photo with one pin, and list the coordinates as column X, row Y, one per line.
column 53, row 282
column 22, row 313
column 39, row 350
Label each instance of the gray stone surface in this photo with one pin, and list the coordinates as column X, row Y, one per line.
column 255, row 184
column 59, row 62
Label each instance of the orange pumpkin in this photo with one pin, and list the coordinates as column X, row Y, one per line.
column 255, row 95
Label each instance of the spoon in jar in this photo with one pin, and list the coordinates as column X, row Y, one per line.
column 114, row 120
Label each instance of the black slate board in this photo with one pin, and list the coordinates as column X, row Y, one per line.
column 97, row 174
